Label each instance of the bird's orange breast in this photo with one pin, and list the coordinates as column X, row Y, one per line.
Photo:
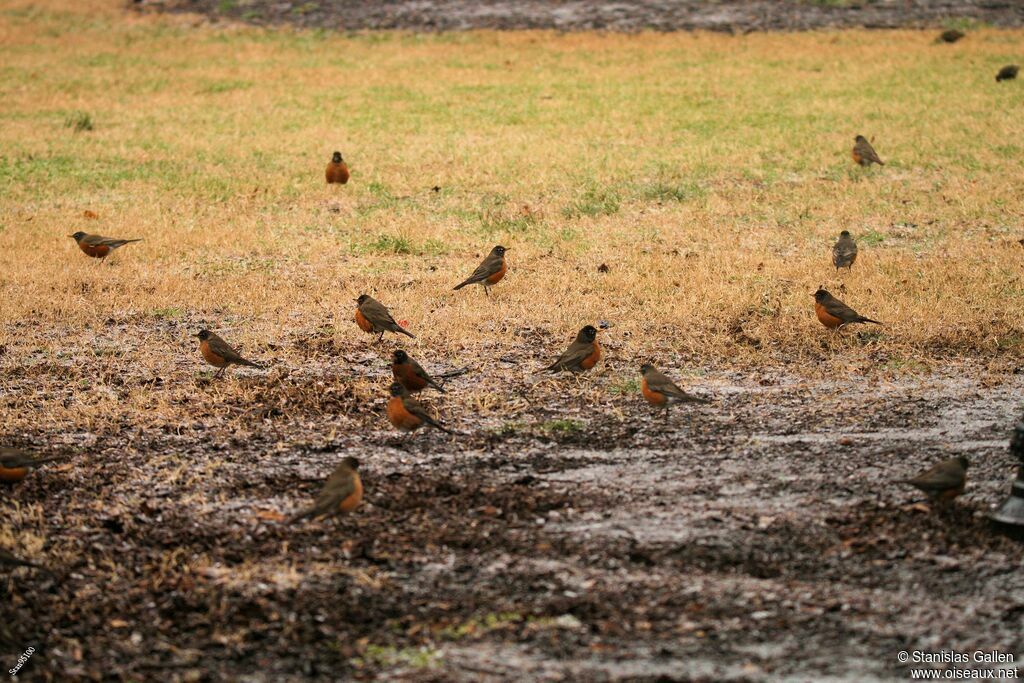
column 96, row 251
column 364, row 324
column 12, row 474
column 407, row 377
column 826, row 318
column 400, row 417
column 591, row 360
column 655, row 398
column 211, row 357
column 337, row 173
column 353, row 500
column 496, row 278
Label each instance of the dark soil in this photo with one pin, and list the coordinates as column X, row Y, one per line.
column 764, row 536
column 619, row 15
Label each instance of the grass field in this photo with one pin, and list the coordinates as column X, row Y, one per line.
column 710, row 174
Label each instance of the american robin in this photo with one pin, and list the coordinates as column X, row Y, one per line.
column 833, row 313
column 407, row 414
column 9, row 560
column 373, row 317
column 342, row 492
column 15, row 464
column 950, row 36
column 864, row 154
column 98, row 246
column 844, row 252
column 409, row 374
column 218, row 354
column 1007, row 73
column 945, row 481
column 662, row 392
column 337, row 170
column 489, row 272
column 582, row 354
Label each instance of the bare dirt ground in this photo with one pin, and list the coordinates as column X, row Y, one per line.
column 623, row 15
column 760, row 537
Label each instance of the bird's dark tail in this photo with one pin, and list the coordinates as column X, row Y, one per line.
column 460, row 285
column 438, row 387
column 401, row 330
column 438, row 425
column 862, row 319
column 251, row 364
column 309, row 512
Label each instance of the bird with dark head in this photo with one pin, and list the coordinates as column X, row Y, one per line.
column 1007, row 73
column 844, row 251
column 219, row 354
column 337, row 170
column 864, row 154
column 582, row 354
column 98, row 246
column 834, row 314
column 410, row 374
column 489, row 272
column 342, row 492
column 373, row 317
column 944, row 481
column 660, row 391
column 406, row 414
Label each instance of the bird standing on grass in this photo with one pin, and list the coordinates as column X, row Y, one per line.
column 372, row 317
column 864, row 154
column 409, row 374
column 582, row 354
column 1007, row 73
column 218, row 354
column 950, row 36
column 337, row 170
column 489, row 272
column 944, row 481
column 342, row 492
column 834, row 314
column 98, row 246
column 844, row 252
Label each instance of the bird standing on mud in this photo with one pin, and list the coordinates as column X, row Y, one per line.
column 218, row 354
column 15, row 464
column 662, row 392
column 342, row 492
column 945, row 481
column 406, row 413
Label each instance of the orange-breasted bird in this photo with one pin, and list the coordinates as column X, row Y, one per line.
column 409, row 374
column 582, row 354
column 833, row 313
column 944, row 481
column 373, row 317
column 218, row 354
column 489, row 272
column 98, row 246
column 342, row 492
column 407, row 414
column 662, row 392
column 844, row 251
column 1007, row 73
column 337, row 170
column 15, row 464
column 864, row 154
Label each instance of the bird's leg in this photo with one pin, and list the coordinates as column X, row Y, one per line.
column 380, row 338
column 219, row 372
column 487, row 290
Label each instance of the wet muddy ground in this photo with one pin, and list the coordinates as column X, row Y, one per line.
column 620, row 15
column 567, row 534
